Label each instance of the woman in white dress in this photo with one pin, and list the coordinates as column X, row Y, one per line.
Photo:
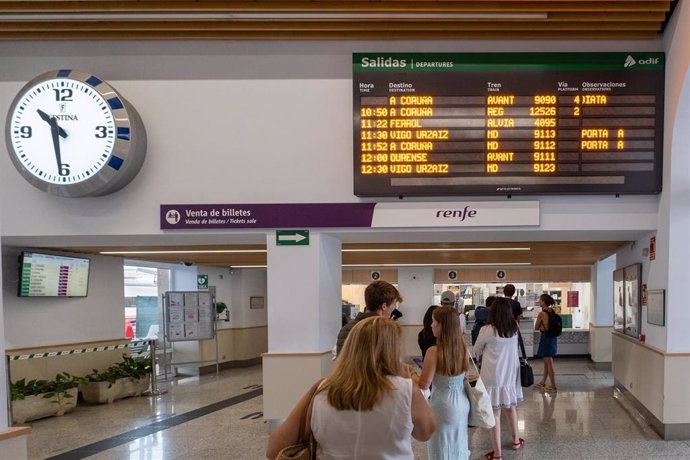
column 368, row 407
column 497, row 344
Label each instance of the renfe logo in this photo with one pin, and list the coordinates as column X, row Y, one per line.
column 456, row 213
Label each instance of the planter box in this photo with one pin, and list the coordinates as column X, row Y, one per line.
column 104, row 392
column 36, row 406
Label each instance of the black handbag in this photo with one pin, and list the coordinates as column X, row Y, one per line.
column 526, row 373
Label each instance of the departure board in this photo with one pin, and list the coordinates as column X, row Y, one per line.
column 507, row 123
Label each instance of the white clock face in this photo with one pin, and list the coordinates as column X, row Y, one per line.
column 71, row 134
column 62, row 131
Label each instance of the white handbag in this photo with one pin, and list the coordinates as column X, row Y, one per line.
column 481, row 412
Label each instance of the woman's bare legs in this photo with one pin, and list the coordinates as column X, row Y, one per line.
column 496, row 434
column 549, row 371
column 513, row 421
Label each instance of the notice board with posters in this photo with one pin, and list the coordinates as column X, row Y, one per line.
column 189, row 315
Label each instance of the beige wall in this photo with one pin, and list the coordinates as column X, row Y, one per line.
column 654, row 377
column 600, row 343
column 236, row 344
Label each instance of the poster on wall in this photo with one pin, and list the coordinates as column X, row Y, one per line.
column 632, row 297
column 618, row 301
column 656, row 311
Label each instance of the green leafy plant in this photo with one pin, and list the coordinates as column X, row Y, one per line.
column 132, row 368
column 48, row 388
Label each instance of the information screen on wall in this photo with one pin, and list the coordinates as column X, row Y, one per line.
column 502, row 124
column 48, row 275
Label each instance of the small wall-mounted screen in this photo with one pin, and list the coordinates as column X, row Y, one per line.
column 47, row 275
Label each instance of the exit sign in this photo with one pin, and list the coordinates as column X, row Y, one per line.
column 292, row 237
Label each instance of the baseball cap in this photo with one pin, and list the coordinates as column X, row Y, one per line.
column 448, row 297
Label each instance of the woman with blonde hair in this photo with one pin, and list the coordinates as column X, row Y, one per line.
column 368, row 407
column 445, row 365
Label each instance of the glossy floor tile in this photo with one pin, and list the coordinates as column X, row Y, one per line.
column 221, row 418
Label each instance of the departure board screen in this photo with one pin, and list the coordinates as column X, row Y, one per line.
column 47, row 275
column 507, row 123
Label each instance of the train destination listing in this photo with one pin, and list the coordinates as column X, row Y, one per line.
column 507, row 123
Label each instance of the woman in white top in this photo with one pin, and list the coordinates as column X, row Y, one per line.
column 497, row 344
column 368, row 407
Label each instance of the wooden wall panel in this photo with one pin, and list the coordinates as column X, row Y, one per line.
column 515, row 275
column 364, row 276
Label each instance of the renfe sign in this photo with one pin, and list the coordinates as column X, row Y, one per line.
column 349, row 215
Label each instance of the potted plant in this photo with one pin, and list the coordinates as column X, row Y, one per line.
column 130, row 377
column 220, row 309
column 43, row 398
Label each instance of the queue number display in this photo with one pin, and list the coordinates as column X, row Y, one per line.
column 460, row 124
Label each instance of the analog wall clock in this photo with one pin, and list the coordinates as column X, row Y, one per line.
column 71, row 134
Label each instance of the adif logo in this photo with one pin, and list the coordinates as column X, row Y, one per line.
column 630, row 61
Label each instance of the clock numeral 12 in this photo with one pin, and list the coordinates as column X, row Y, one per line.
column 63, row 94
column 64, row 169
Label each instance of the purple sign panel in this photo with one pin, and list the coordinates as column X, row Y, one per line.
column 307, row 215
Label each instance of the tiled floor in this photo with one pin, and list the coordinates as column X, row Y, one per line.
column 209, row 418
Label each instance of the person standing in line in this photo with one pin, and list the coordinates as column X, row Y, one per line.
column 368, row 407
column 509, row 292
column 445, row 366
column 481, row 315
column 548, row 346
column 426, row 337
column 448, row 299
column 381, row 298
column 497, row 345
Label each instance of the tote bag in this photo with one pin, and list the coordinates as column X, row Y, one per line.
column 481, row 412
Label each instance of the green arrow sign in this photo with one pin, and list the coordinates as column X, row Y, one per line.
column 292, row 237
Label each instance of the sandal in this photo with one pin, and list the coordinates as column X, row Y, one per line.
column 518, row 445
column 540, row 385
column 551, row 389
column 491, row 456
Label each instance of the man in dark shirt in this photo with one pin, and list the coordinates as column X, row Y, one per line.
column 509, row 292
column 381, row 298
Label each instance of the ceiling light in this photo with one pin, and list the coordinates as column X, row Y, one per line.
column 493, row 264
column 191, row 251
column 432, row 249
column 260, row 251
column 272, row 15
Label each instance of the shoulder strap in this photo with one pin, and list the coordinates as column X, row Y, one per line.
column 305, row 433
column 522, row 345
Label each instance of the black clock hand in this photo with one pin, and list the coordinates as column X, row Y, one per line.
column 45, row 117
column 54, row 131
